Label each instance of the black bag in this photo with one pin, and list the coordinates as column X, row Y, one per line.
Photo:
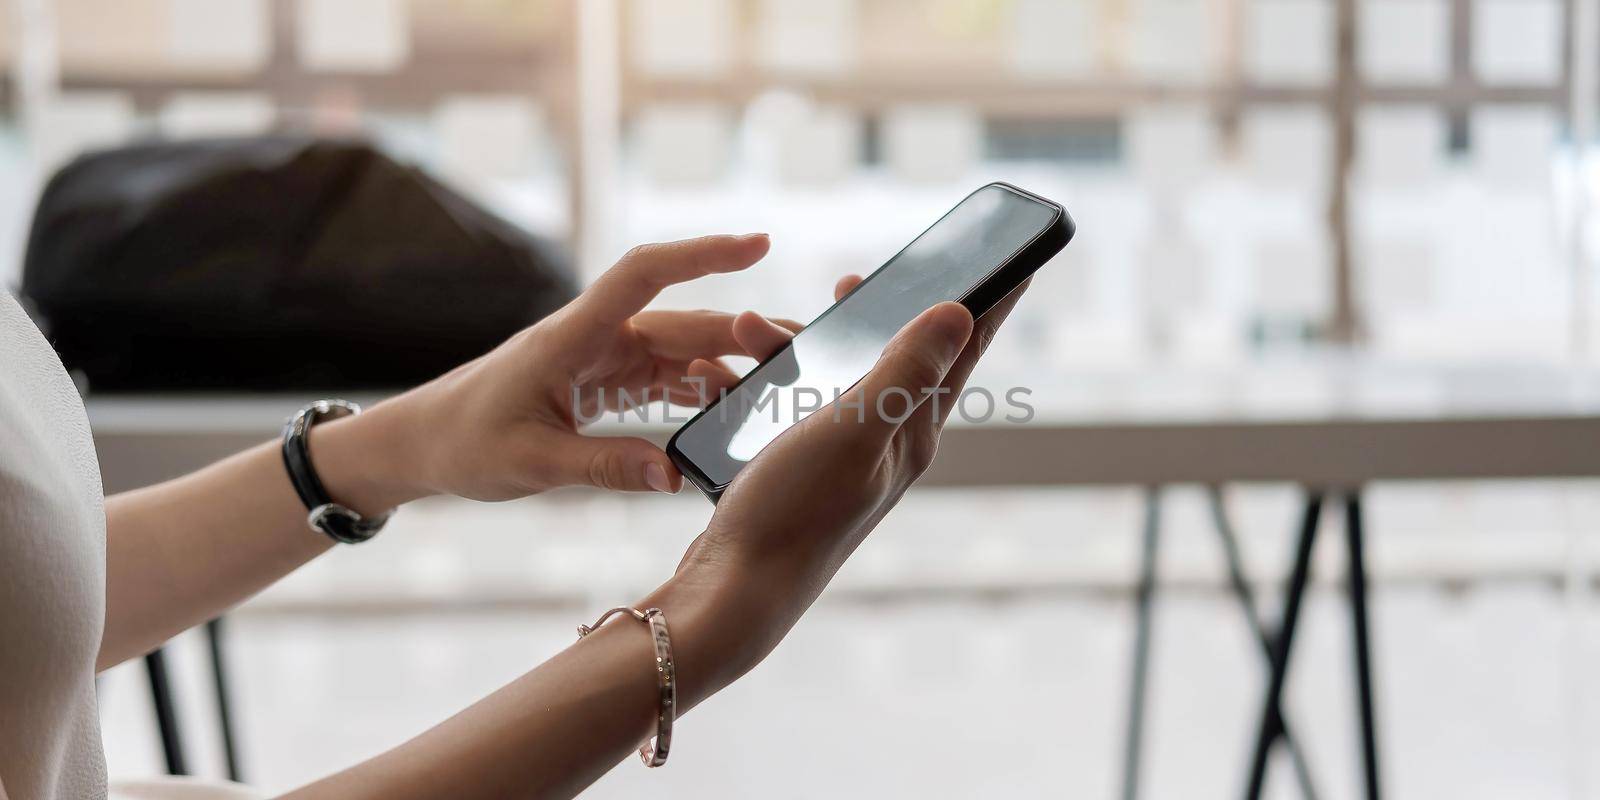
column 274, row 264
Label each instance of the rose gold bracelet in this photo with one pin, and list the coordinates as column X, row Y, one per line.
column 654, row 752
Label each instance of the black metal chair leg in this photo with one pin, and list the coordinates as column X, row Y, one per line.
column 214, row 633
column 1144, row 599
column 166, row 712
column 1247, row 605
column 1269, row 729
column 1363, row 650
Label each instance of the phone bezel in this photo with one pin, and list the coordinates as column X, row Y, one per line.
column 984, row 294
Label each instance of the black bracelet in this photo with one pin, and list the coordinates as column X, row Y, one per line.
column 339, row 523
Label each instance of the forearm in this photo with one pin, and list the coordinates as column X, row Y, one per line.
column 557, row 729
column 184, row 551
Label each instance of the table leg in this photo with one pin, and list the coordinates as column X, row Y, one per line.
column 1247, row 606
column 1363, row 650
column 166, row 712
column 1269, row 729
column 1144, row 601
column 219, row 677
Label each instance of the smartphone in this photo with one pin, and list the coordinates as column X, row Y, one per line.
column 977, row 253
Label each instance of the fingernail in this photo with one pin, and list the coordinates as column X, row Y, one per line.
column 952, row 325
column 753, row 236
column 657, row 478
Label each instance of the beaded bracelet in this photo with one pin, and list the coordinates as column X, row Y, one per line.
column 654, row 752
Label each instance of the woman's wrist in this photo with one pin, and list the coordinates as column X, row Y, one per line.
column 369, row 462
column 720, row 630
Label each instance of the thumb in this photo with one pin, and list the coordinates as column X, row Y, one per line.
column 618, row 463
column 915, row 360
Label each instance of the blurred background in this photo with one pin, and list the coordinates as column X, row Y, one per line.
column 1286, row 209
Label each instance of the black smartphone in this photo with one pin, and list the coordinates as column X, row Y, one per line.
column 977, row 253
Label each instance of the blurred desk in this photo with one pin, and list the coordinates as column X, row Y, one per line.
column 1328, row 426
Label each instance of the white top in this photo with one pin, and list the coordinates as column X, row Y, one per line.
column 52, row 580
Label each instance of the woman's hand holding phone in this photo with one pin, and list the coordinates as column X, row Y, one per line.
column 793, row 516
column 782, row 530
column 507, row 425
